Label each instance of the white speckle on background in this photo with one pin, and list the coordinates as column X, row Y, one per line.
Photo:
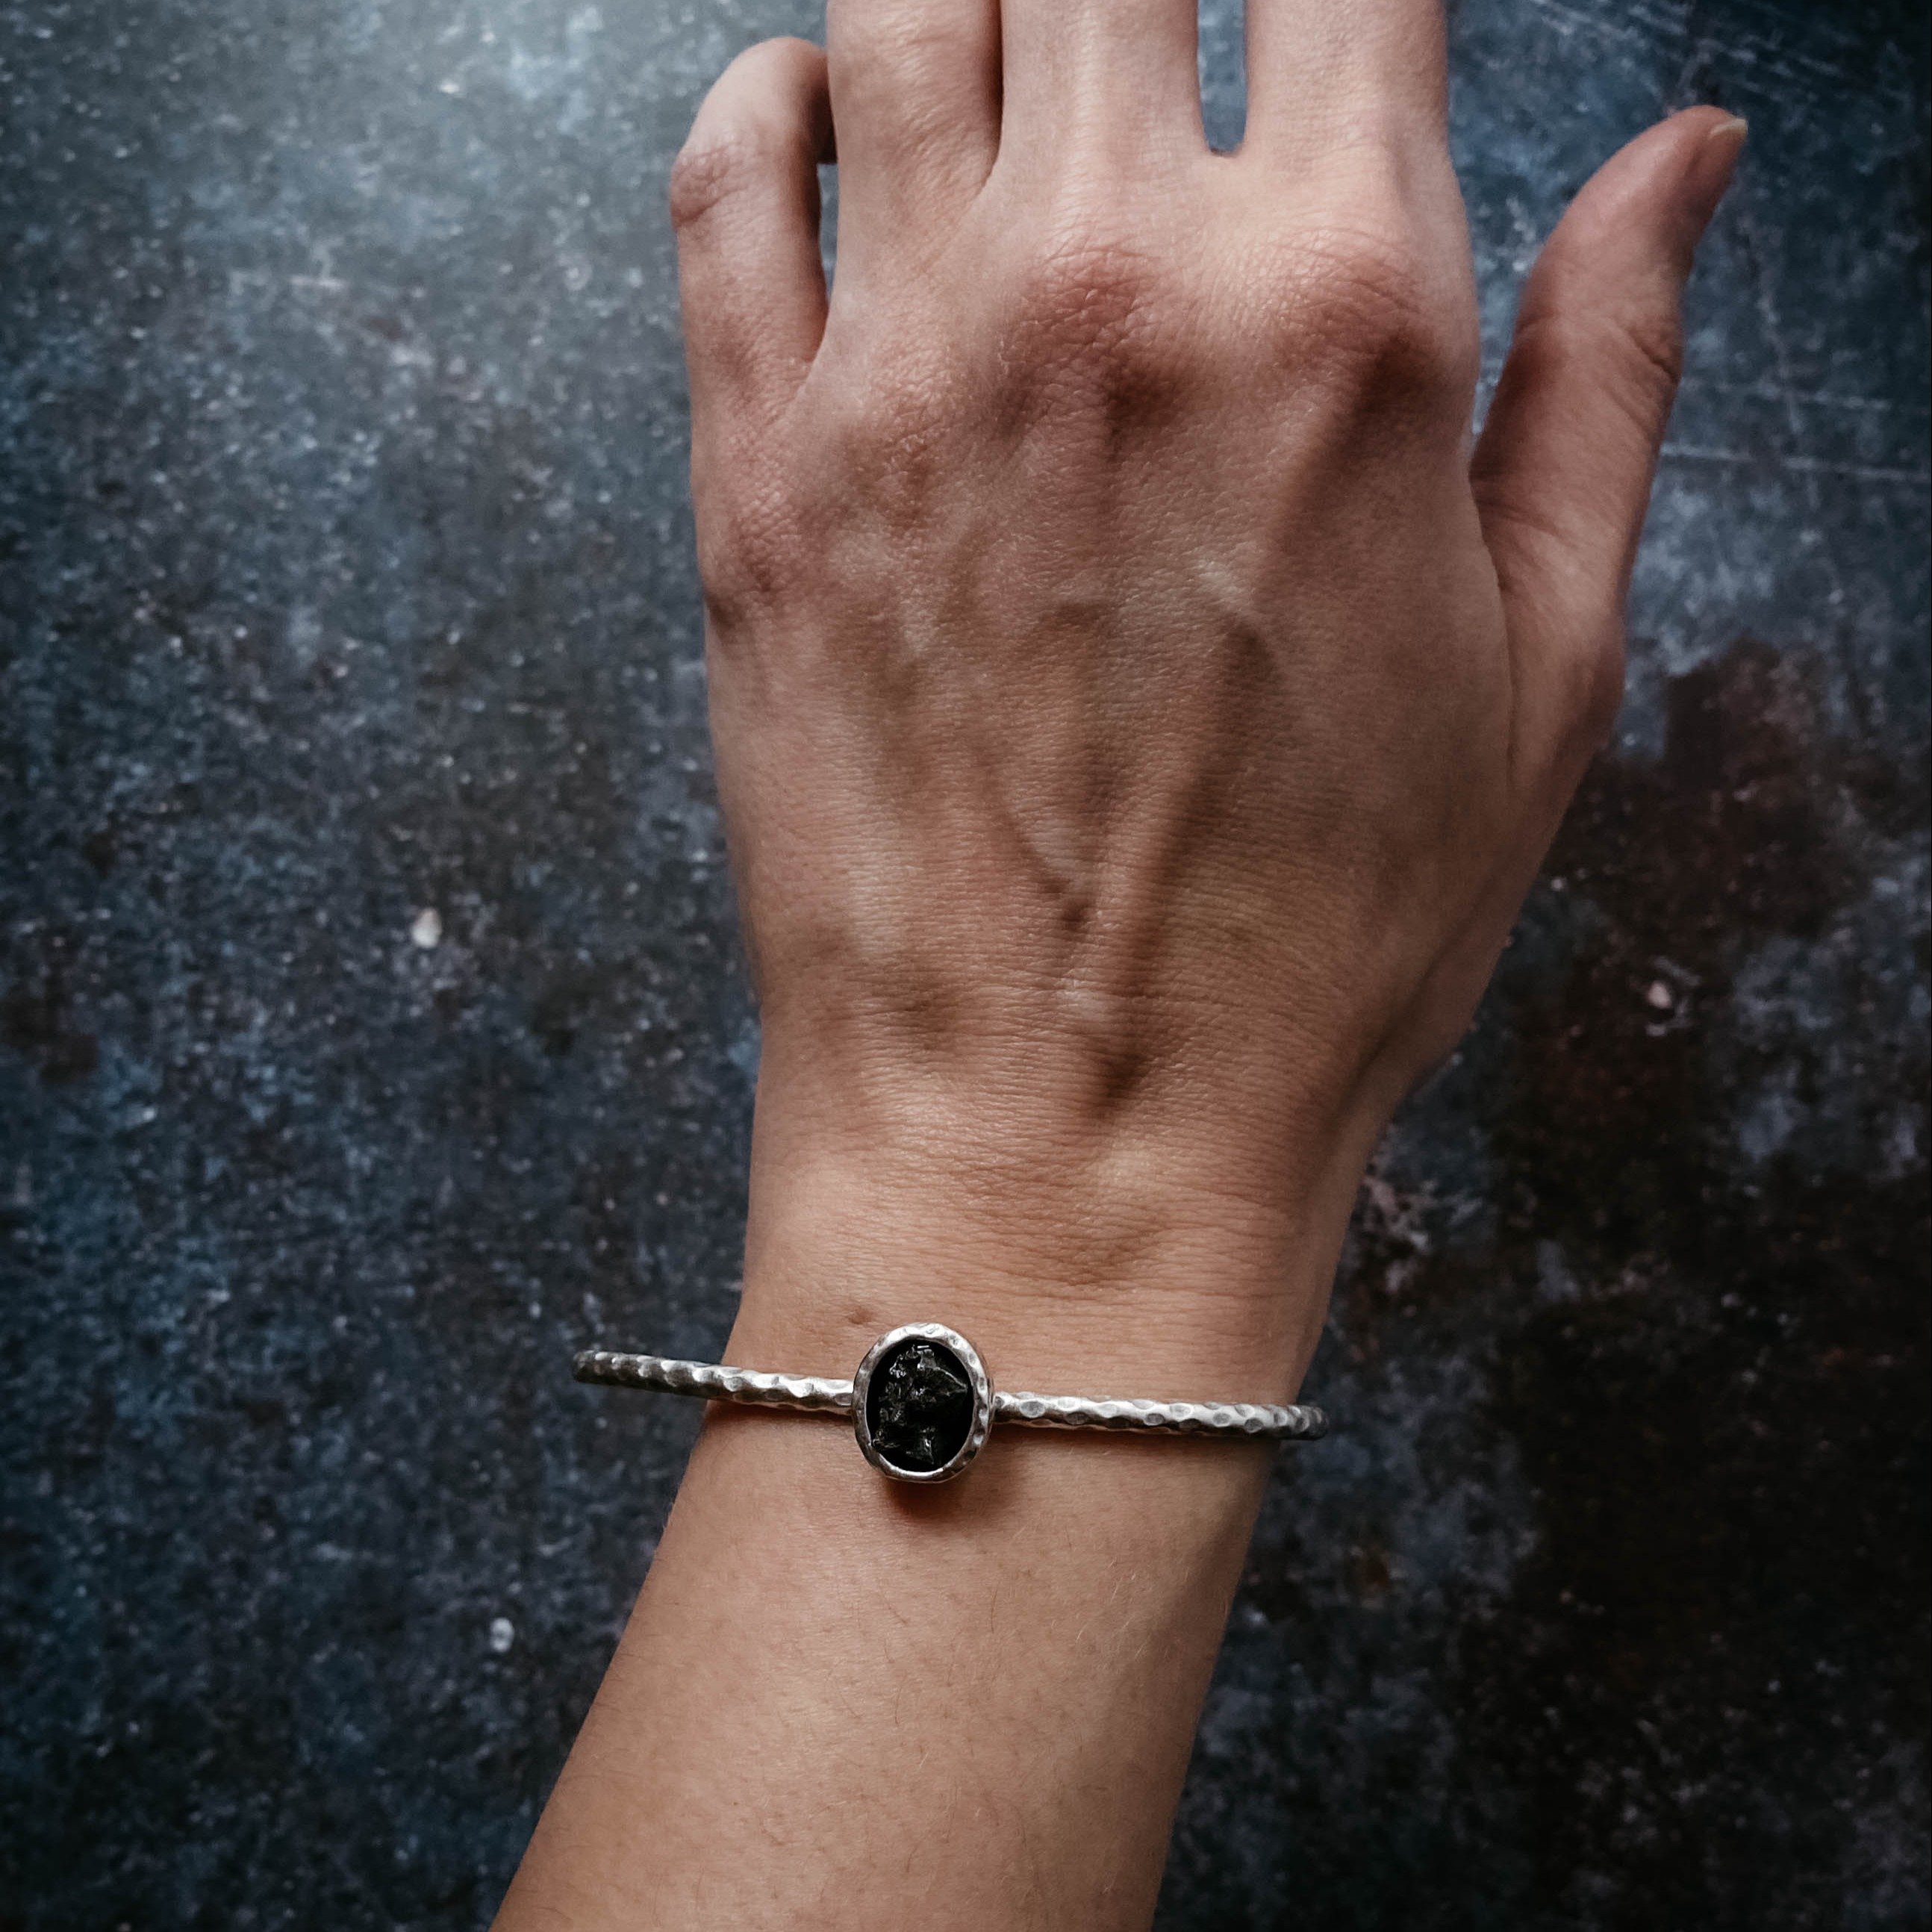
column 426, row 928
column 503, row 1634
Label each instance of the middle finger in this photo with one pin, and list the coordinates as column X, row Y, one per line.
column 1111, row 78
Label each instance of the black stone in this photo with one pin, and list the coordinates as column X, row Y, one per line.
column 918, row 1406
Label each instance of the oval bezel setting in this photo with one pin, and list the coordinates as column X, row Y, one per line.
column 962, row 1350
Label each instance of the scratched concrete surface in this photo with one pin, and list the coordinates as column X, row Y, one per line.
column 371, row 1035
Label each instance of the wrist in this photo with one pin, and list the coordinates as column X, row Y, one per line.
column 1072, row 1264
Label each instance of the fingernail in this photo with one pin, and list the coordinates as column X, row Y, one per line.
column 1711, row 166
column 1728, row 136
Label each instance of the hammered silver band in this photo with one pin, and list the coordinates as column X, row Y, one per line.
column 821, row 1395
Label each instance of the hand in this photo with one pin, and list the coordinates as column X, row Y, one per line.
column 1137, row 718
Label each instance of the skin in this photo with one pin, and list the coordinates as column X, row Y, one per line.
column 1139, row 713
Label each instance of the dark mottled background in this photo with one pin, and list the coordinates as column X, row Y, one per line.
column 371, row 1034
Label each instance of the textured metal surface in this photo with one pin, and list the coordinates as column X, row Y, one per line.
column 714, row 1381
column 1295, row 1422
column 346, row 580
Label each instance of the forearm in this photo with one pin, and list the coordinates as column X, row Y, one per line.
column 970, row 1705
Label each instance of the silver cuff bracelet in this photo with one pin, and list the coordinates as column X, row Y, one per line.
column 922, row 1404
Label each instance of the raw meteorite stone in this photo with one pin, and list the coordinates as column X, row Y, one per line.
column 920, row 1406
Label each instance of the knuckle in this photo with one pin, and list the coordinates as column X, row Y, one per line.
column 1371, row 309
column 741, row 132
column 710, row 167
column 1636, row 356
column 1084, row 286
column 749, row 548
column 890, row 444
column 1653, row 340
column 1095, row 312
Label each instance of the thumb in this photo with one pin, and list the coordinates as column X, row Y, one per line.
column 1562, row 473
